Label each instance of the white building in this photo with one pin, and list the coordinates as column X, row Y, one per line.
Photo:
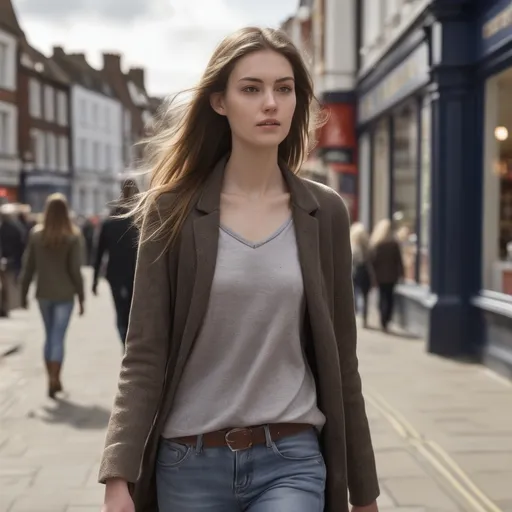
column 383, row 22
column 97, row 136
column 10, row 163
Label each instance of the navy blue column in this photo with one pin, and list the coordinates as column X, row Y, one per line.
column 456, row 188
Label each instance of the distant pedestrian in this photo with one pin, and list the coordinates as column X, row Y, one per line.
column 387, row 263
column 362, row 270
column 12, row 244
column 239, row 389
column 118, row 240
column 54, row 256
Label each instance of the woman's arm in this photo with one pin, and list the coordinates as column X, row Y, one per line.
column 142, row 372
column 75, row 268
column 362, row 473
column 28, row 269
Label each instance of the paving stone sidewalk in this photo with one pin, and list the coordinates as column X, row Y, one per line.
column 49, row 451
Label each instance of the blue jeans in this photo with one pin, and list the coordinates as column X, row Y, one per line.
column 56, row 315
column 287, row 475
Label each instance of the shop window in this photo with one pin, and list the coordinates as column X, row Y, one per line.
column 426, row 177
column 404, row 186
column 497, row 200
column 380, row 179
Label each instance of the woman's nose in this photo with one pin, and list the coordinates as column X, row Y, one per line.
column 270, row 102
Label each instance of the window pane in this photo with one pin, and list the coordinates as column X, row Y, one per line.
column 426, row 172
column 405, row 160
column 497, row 200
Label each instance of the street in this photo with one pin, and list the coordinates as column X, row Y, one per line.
column 442, row 430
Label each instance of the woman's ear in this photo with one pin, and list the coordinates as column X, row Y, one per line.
column 217, row 103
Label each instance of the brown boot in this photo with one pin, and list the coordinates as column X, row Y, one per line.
column 54, row 384
column 58, row 367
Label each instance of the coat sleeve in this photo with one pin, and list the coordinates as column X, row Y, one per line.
column 362, row 473
column 28, row 268
column 142, row 372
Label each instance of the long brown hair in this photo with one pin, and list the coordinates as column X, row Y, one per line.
column 57, row 225
column 188, row 141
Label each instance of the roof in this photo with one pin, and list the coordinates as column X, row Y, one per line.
column 129, row 87
column 46, row 67
column 8, row 18
column 80, row 72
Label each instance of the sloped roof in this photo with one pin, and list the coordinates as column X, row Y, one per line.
column 8, row 18
column 47, row 67
column 81, row 72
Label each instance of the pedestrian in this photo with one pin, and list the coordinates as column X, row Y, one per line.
column 12, row 245
column 388, row 266
column 118, row 240
column 54, row 256
column 239, row 388
column 362, row 271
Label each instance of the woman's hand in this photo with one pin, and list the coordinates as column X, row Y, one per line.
column 117, row 497
column 369, row 508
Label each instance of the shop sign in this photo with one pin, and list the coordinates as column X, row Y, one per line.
column 46, row 181
column 409, row 76
column 496, row 27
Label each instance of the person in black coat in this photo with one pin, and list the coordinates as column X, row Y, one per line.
column 118, row 240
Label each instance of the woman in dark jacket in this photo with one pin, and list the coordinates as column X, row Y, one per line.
column 388, row 267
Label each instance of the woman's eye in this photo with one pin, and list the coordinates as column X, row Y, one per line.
column 250, row 89
column 285, row 88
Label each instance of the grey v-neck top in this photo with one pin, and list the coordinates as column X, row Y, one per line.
column 247, row 366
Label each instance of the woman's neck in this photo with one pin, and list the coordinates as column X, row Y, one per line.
column 253, row 172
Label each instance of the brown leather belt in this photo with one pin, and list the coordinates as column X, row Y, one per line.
column 238, row 439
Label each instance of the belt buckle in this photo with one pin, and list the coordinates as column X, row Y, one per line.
column 248, row 433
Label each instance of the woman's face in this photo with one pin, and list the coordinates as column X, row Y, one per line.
column 259, row 100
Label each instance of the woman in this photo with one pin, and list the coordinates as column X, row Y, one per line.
column 362, row 271
column 388, row 267
column 239, row 388
column 54, row 254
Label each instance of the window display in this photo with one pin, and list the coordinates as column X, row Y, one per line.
column 380, row 181
column 426, row 173
column 497, row 200
column 405, row 177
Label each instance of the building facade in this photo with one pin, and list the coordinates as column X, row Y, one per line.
column 44, row 128
column 319, row 29
column 97, row 135
column 10, row 164
column 434, row 157
column 138, row 109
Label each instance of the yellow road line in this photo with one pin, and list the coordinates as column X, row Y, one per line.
column 436, row 456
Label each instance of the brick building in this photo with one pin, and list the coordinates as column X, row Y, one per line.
column 44, row 127
column 10, row 34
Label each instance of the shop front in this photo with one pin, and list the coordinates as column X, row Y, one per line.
column 39, row 185
column 495, row 298
column 421, row 152
column 337, row 147
column 394, row 150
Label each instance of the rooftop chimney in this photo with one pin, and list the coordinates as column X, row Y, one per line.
column 58, row 51
column 137, row 76
column 78, row 56
column 112, row 62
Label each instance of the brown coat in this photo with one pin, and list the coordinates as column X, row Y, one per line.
column 170, row 300
column 387, row 262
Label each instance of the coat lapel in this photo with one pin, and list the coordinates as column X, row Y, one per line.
column 304, row 208
column 205, row 227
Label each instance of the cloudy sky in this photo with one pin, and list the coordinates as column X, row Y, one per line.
column 172, row 39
